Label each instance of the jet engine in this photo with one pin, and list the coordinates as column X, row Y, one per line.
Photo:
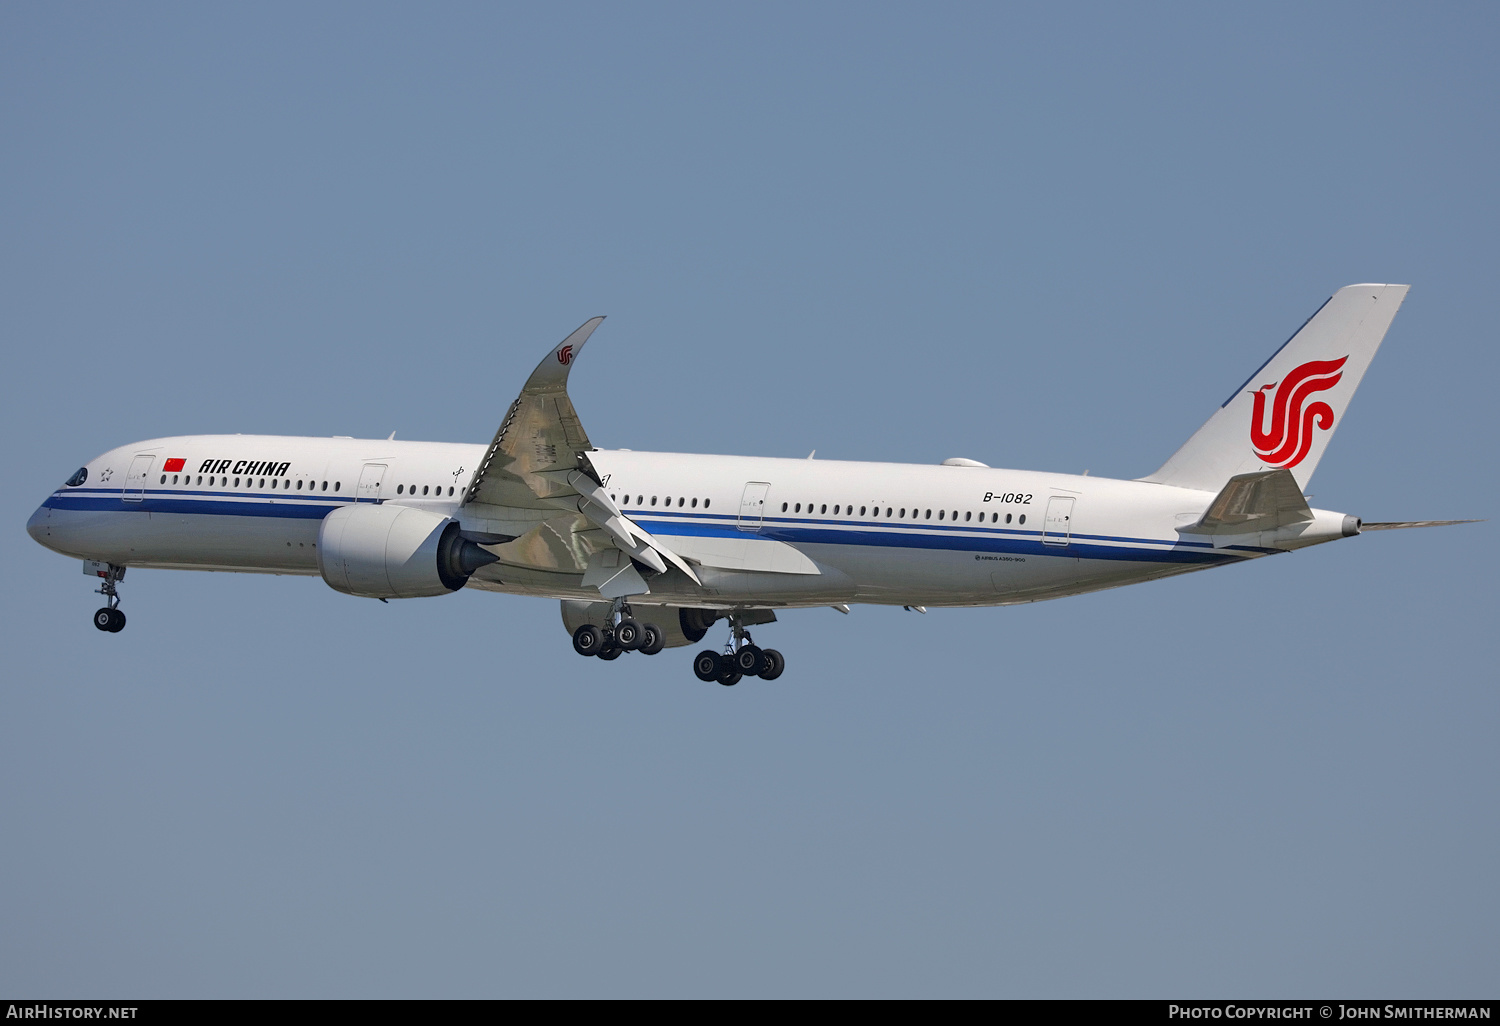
column 384, row 551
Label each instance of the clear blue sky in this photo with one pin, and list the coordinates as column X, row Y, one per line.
column 1044, row 236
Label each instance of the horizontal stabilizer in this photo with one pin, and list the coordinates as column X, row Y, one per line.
column 1261, row 501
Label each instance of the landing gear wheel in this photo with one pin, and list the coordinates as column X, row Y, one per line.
column 652, row 640
column 611, row 651
column 771, row 664
column 104, row 619
column 706, row 665
column 119, row 624
column 628, row 634
column 588, row 640
column 728, row 676
column 747, row 660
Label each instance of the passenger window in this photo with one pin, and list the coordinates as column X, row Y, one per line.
column 783, row 507
column 164, row 479
column 835, row 509
column 929, row 515
column 681, row 500
column 639, row 499
column 994, row 518
column 1023, row 518
column 398, row 489
column 236, row 482
column 450, row 489
column 798, row 509
column 336, row 486
column 705, row 504
column 299, row 484
column 1007, row 518
column 940, row 514
column 968, row 515
column 424, row 489
column 695, row 504
column 861, row 511
column 823, row 508
column 653, row 500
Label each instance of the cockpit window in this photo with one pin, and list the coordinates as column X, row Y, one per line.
column 78, row 478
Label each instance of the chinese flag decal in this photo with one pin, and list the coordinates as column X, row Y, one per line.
column 174, row 465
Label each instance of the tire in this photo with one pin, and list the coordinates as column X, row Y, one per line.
column 777, row 664
column 729, row 676
column 652, row 640
column 104, row 619
column 119, row 624
column 706, row 666
column 611, row 651
column 588, row 640
column 747, row 660
column 628, row 634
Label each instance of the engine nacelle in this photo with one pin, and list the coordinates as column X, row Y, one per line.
column 384, row 551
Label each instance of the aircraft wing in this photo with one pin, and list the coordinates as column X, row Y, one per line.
column 536, row 501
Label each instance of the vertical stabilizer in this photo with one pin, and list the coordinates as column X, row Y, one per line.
column 1284, row 414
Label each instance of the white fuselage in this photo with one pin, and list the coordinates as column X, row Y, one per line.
column 877, row 532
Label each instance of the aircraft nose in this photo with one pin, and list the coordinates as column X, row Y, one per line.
column 37, row 525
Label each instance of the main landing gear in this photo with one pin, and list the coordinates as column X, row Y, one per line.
column 624, row 633
column 108, row 617
column 741, row 658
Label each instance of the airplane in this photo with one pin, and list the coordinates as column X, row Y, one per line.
column 647, row 550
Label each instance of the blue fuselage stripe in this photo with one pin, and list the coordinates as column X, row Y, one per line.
column 956, row 537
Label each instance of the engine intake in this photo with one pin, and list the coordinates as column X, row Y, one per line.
column 384, row 551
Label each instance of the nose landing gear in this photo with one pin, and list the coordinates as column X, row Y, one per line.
column 741, row 658
column 108, row 617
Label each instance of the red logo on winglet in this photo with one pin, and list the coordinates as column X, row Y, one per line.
column 1285, row 442
column 565, row 355
column 173, row 465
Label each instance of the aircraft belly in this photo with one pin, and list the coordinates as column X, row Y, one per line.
column 210, row 541
column 923, row 576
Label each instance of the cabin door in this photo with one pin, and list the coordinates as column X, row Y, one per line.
column 1059, row 525
column 135, row 480
column 753, row 505
column 370, row 480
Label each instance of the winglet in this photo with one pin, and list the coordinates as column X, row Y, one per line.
column 551, row 375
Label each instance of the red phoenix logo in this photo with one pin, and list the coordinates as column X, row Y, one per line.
column 565, row 355
column 1284, row 443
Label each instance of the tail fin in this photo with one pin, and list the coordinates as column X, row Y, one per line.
column 1284, row 414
